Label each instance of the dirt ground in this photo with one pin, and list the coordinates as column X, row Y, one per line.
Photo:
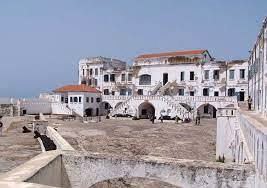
column 16, row 147
column 141, row 137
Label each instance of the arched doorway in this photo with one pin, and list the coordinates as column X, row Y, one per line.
column 207, row 110
column 105, row 108
column 89, row 112
column 145, row 110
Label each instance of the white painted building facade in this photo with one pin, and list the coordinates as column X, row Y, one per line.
column 258, row 71
column 181, row 73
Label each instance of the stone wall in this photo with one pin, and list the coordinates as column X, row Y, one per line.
column 89, row 169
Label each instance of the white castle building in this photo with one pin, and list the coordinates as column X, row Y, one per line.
column 258, row 71
column 173, row 83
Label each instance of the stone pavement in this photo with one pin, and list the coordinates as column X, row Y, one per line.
column 137, row 138
column 16, row 148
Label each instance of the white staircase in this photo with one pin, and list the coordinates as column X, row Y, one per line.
column 60, row 108
column 119, row 109
column 156, row 89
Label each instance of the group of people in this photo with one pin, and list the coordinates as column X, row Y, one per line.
column 153, row 117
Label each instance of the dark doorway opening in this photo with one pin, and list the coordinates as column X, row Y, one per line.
column 241, row 96
column 165, row 78
column 89, row 112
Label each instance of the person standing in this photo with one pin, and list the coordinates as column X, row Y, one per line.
column 161, row 118
column 1, row 127
column 198, row 118
column 249, row 102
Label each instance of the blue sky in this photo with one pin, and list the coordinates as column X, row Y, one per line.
column 41, row 42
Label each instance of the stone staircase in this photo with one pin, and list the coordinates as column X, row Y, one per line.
column 156, row 89
column 176, row 108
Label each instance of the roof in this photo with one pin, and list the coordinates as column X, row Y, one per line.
column 170, row 54
column 77, row 88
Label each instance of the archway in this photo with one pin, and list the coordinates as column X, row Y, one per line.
column 132, row 182
column 105, row 108
column 207, row 111
column 145, row 110
column 89, row 112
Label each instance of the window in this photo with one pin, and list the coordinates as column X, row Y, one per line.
column 192, row 75
column 105, row 78
column 62, row 99
column 92, row 99
column 106, row 92
column 216, row 74
column 83, row 72
column 145, row 79
column 216, row 93
column 71, row 99
column 75, row 99
column 192, row 93
column 232, row 74
column 87, row 99
column 96, row 71
column 123, row 77
column 242, row 73
column 112, row 92
column 130, row 91
column 95, row 82
column 130, row 77
column 181, row 92
column 91, row 72
column 98, row 99
column 80, row 99
column 182, row 76
column 140, row 91
column 206, row 92
column 206, row 74
column 231, row 92
column 112, row 77
column 123, row 92
column 89, row 82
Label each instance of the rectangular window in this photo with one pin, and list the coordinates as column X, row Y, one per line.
column 216, row 93
column 106, row 92
column 181, row 92
column 91, row 72
column 80, row 99
column 106, row 78
column 112, row 92
column 62, row 99
column 83, row 72
column 216, row 74
column 90, row 82
column 98, row 99
column 206, row 74
column 231, row 92
column 192, row 93
column 123, row 77
column 206, row 92
column 123, row 92
column 96, row 71
column 130, row 91
column 87, row 99
column 75, row 99
column 140, row 91
column 95, row 82
column 92, row 99
column 112, row 77
column 232, row 74
column 192, row 75
column 130, row 77
column 242, row 73
column 70, row 99
column 182, row 76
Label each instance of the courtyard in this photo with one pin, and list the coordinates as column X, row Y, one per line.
column 141, row 137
